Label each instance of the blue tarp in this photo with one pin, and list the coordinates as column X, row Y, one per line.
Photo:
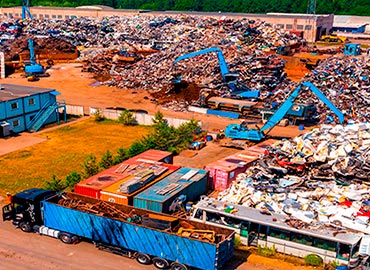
column 232, row 115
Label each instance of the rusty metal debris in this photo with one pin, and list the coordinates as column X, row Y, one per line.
column 166, row 223
column 100, row 208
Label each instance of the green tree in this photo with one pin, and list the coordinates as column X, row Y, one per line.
column 127, row 118
column 106, row 160
column 72, row 179
column 98, row 115
column 90, row 167
column 55, row 184
column 136, row 148
column 121, row 156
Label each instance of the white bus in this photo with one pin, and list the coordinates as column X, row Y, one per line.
column 269, row 229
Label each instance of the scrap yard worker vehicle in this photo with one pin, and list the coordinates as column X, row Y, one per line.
column 150, row 237
column 333, row 38
column 33, row 70
column 197, row 145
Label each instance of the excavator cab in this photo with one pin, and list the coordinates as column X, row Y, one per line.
column 231, row 77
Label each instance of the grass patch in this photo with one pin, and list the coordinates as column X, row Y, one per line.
column 64, row 151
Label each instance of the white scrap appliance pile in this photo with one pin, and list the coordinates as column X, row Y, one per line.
column 320, row 177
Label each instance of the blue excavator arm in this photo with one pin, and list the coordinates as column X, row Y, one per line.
column 236, row 131
column 220, row 56
column 284, row 108
column 238, row 89
column 32, row 52
column 25, row 10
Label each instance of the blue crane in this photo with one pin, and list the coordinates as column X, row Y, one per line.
column 26, row 10
column 33, row 68
column 241, row 131
column 237, row 89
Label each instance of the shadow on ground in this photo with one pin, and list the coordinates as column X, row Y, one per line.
column 240, row 257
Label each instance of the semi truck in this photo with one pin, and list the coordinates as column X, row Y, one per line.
column 166, row 241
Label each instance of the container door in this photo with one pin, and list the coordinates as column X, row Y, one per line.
column 8, row 212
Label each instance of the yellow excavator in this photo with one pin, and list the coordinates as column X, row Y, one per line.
column 334, row 38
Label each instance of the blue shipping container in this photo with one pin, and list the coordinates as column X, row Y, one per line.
column 191, row 182
column 164, row 244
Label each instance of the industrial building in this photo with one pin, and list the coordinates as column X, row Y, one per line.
column 312, row 26
column 27, row 108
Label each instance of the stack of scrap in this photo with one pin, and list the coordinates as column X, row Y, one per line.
column 48, row 48
column 346, row 81
column 245, row 43
column 317, row 178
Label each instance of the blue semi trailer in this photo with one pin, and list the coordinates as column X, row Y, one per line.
column 166, row 241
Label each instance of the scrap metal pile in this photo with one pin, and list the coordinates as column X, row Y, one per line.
column 241, row 41
column 53, row 47
column 319, row 178
column 346, row 82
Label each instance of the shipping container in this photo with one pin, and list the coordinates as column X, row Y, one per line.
column 124, row 191
column 93, row 185
column 224, row 171
column 152, row 155
column 160, row 197
column 156, row 235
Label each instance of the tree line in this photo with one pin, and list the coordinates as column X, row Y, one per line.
column 338, row 7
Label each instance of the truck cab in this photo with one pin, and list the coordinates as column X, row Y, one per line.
column 25, row 208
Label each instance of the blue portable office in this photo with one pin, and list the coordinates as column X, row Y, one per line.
column 28, row 108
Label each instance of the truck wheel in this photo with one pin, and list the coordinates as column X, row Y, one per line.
column 143, row 258
column 160, row 263
column 66, row 238
column 178, row 266
column 25, row 227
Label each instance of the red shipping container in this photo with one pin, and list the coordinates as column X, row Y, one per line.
column 93, row 185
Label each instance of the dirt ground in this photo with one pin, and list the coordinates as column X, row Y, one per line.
column 75, row 89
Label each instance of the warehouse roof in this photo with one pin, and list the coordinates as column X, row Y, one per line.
column 13, row 91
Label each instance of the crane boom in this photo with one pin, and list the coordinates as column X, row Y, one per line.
column 221, row 59
column 32, row 51
column 237, row 88
column 237, row 131
column 26, row 10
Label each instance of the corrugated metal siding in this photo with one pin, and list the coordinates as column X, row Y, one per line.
column 211, row 177
column 224, row 171
column 134, row 237
column 87, row 191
